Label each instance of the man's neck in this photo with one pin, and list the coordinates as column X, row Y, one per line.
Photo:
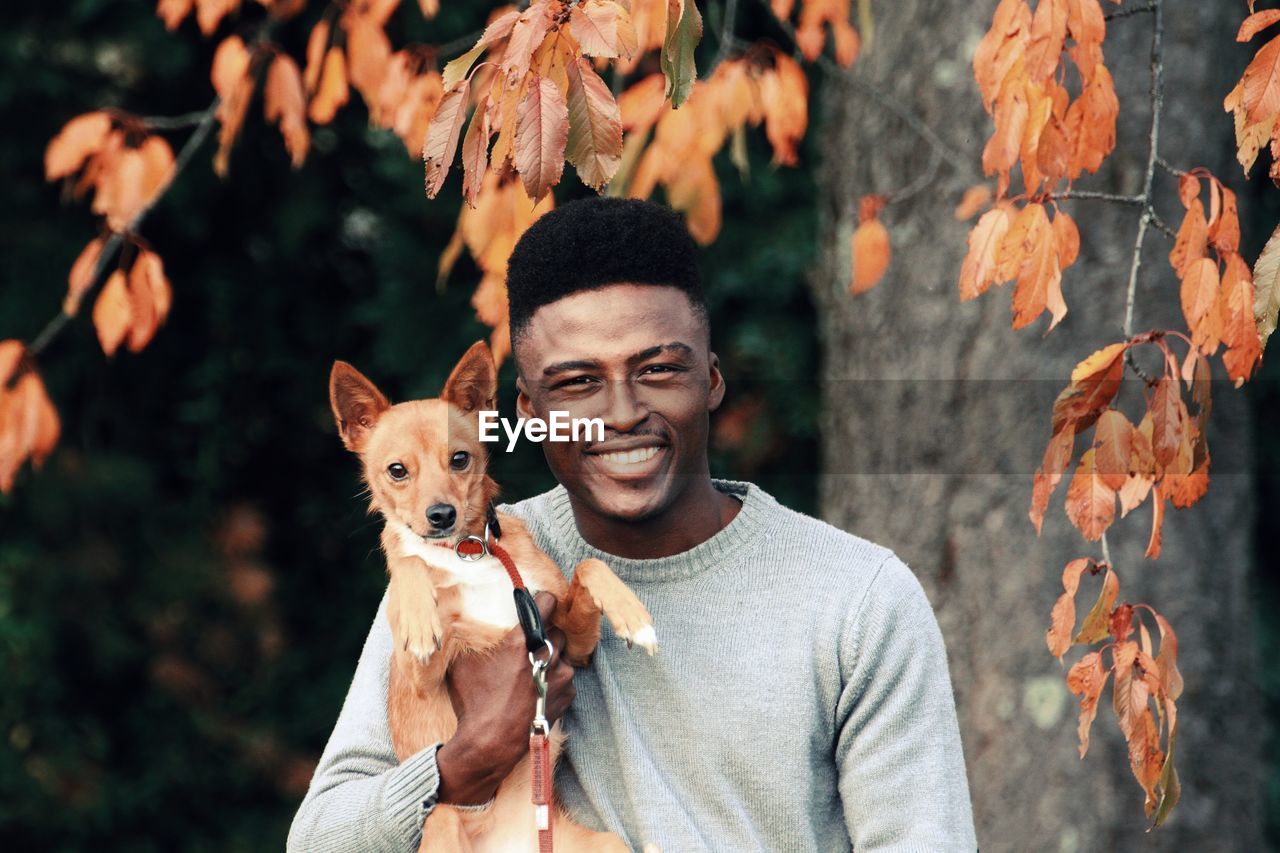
column 699, row 513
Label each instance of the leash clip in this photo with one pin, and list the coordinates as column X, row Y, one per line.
column 539, row 724
column 483, row 542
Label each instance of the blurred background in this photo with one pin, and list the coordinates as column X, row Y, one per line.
column 187, row 583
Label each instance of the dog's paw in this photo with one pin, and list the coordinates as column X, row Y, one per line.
column 627, row 615
column 422, row 634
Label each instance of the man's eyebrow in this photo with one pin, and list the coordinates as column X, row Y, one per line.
column 592, row 364
column 566, row 366
column 674, row 346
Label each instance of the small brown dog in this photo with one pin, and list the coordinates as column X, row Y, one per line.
column 426, row 470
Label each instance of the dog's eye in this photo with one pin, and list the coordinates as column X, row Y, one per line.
column 397, row 471
column 460, row 460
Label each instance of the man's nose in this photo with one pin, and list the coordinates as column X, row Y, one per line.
column 441, row 516
column 624, row 409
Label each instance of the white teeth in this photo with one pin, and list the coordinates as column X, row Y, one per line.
column 630, row 457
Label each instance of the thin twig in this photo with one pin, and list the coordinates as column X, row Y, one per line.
column 1157, row 104
column 173, row 122
column 1169, row 167
column 1132, row 10
column 1160, row 223
column 726, row 31
column 113, row 244
column 1096, row 196
column 1148, row 214
column 1106, row 551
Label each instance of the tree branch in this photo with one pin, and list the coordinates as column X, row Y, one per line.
column 1132, row 10
column 1096, row 196
column 1153, row 154
column 112, row 246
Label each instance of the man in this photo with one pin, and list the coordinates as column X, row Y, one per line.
column 799, row 699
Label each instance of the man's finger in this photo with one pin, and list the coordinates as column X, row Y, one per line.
column 546, row 605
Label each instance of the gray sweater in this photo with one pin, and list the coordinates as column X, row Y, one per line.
column 799, row 700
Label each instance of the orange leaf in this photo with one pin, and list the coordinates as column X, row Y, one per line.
column 602, row 28
column 1094, row 382
column 1168, row 418
column 980, row 267
column 784, row 93
column 1063, row 618
column 870, row 245
column 1256, row 23
column 1067, row 238
column 1261, row 93
column 1048, row 35
column 29, row 426
column 1113, row 438
column 1186, row 488
column 81, row 277
column 527, row 33
column 331, row 91
column 594, row 144
column 174, row 12
column 317, row 47
column 1091, row 504
column 209, row 13
column 475, row 151
column 234, row 84
column 1193, row 239
column 1157, row 516
column 442, row 135
column 1130, row 694
column 1266, row 304
column 1057, row 457
column 78, row 139
column 1199, row 297
column 112, row 312
column 1038, row 275
column 285, row 102
column 542, row 130
column 1087, row 678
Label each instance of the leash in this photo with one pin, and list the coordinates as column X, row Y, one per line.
column 472, row 548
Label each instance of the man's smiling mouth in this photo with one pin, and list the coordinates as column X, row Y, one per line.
column 630, row 457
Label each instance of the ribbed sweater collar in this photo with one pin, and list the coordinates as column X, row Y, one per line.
column 757, row 513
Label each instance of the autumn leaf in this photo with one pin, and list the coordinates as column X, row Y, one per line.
column 684, row 31
column 29, row 425
column 1086, row 679
column 1057, row 458
column 1157, row 518
column 233, row 82
column 1094, row 382
column 1192, row 239
column 1261, row 83
column 870, row 247
column 784, row 92
column 1063, row 618
column 81, row 277
column 980, row 267
column 79, row 138
column 1091, row 503
column 112, row 312
column 594, row 144
column 442, row 136
column 331, row 90
column 542, row 125
column 602, row 28
column 1168, row 417
column 1256, row 23
column 285, row 103
column 1266, row 285
column 1199, row 294
column 1113, row 438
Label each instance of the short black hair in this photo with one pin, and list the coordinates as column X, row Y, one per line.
column 597, row 241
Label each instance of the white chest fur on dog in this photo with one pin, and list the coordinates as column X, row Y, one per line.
column 483, row 585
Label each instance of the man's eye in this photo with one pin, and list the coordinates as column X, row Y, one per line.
column 659, row 368
column 397, row 471
column 576, row 381
column 460, row 460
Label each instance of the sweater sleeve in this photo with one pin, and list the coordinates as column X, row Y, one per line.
column 361, row 798
column 901, row 765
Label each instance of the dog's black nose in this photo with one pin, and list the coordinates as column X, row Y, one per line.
column 442, row 516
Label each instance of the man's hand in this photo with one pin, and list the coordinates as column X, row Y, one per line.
column 494, row 698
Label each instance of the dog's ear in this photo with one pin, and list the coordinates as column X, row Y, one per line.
column 473, row 384
column 356, row 404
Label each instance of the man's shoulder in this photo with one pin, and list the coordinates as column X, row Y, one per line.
column 823, row 543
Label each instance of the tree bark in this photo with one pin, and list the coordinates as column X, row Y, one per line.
column 936, row 414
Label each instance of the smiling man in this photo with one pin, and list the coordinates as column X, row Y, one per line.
column 800, row 698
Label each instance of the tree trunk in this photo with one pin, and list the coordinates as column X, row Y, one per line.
column 937, row 413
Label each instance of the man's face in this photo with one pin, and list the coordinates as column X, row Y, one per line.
column 637, row 357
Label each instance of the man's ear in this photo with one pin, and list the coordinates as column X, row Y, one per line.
column 717, row 385
column 524, row 406
column 356, row 403
column 473, row 384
